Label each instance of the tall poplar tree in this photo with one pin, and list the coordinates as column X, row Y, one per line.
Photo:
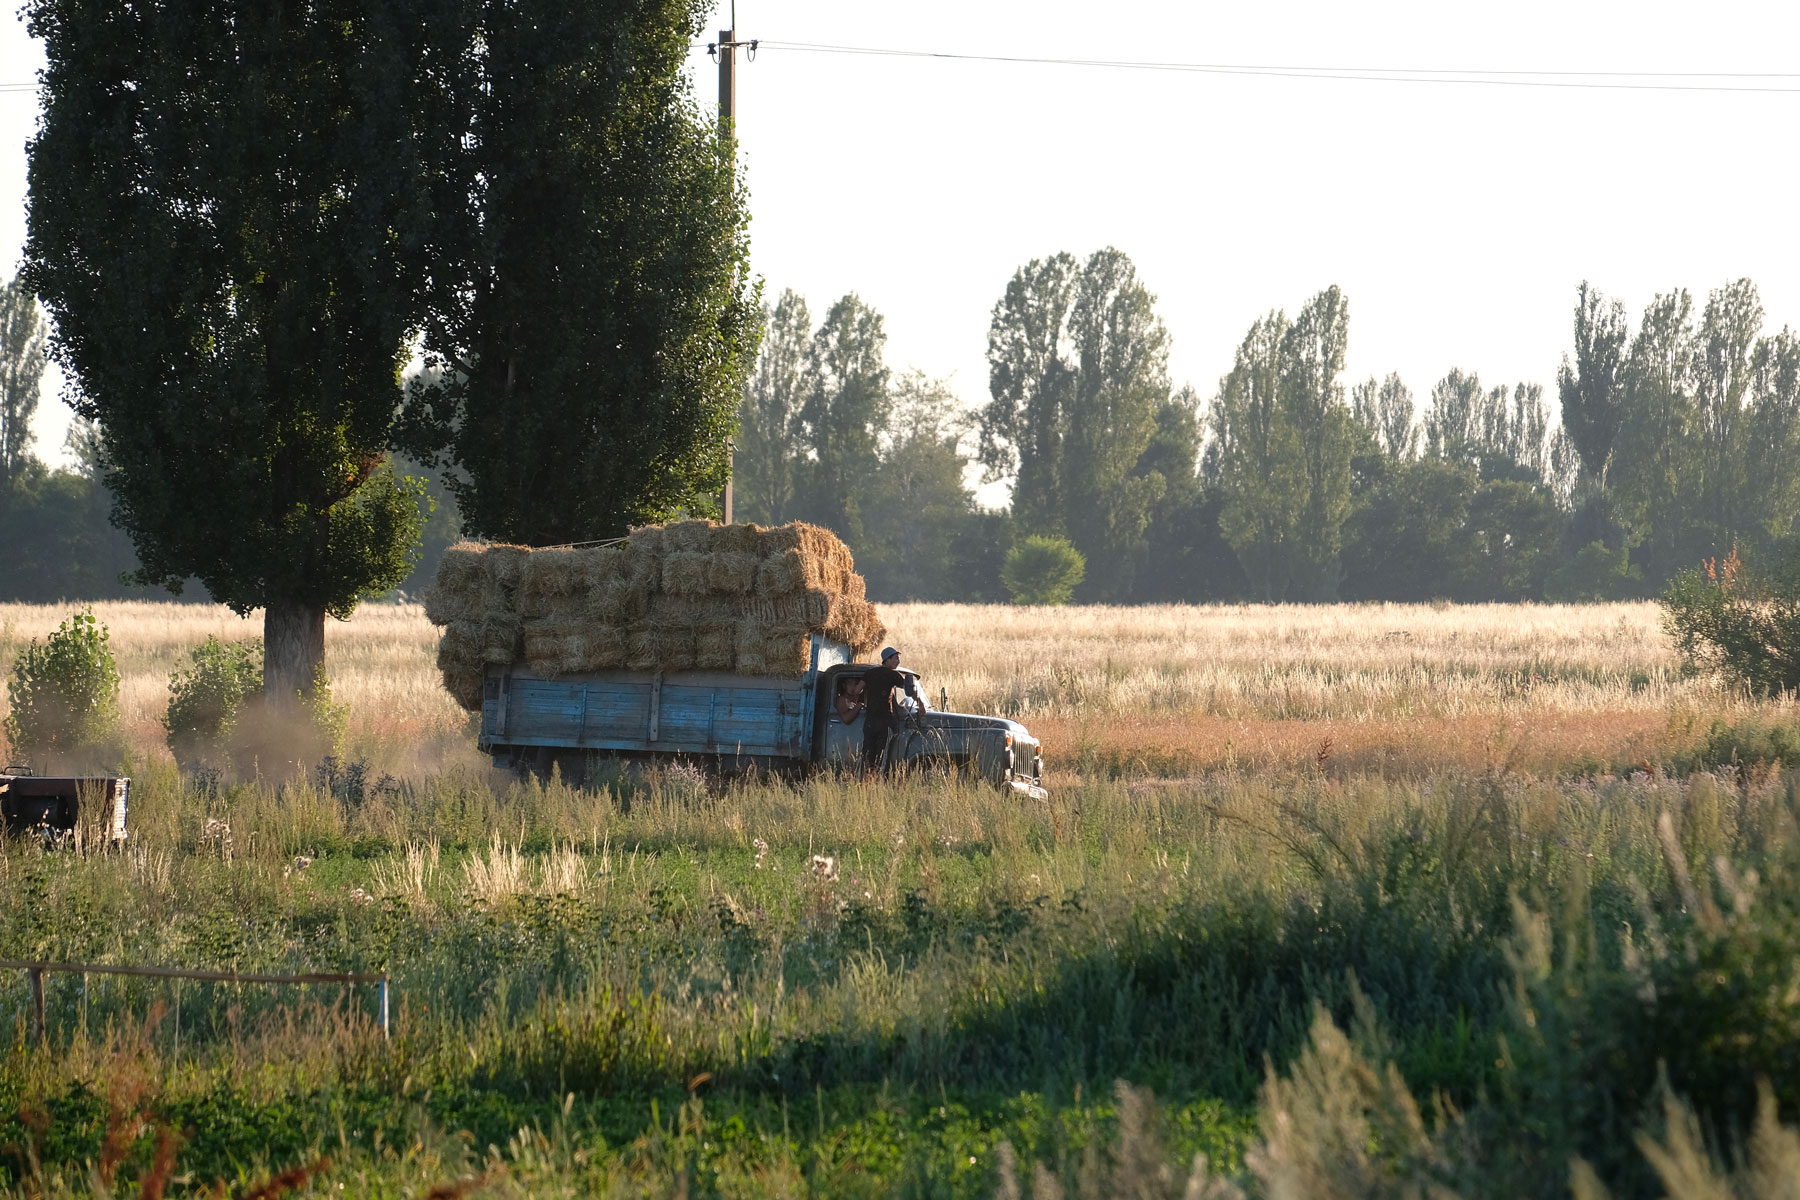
column 843, row 416
column 766, row 459
column 227, row 222
column 1590, row 386
column 590, row 294
column 21, row 375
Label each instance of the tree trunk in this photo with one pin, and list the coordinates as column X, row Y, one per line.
column 293, row 650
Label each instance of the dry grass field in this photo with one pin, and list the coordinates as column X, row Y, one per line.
column 1307, row 881
column 1166, row 690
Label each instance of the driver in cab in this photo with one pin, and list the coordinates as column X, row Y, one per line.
column 880, row 717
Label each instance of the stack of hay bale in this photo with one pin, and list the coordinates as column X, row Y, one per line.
column 687, row 596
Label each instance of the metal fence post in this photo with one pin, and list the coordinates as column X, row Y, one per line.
column 384, row 1008
column 36, row 975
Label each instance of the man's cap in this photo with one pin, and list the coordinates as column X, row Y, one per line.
column 889, row 652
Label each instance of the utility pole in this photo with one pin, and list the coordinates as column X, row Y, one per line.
column 725, row 50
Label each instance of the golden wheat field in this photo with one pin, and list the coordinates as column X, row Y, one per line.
column 1164, row 689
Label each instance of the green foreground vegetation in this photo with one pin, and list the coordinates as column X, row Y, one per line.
column 927, row 988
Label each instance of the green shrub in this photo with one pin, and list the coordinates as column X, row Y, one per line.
column 65, row 690
column 1043, row 570
column 1595, row 574
column 206, row 700
column 1748, row 743
column 1746, row 626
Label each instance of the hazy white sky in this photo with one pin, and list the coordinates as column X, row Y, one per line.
column 1458, row 218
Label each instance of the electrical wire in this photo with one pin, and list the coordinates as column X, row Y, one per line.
column 1659, row 81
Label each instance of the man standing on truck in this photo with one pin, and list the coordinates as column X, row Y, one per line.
column 879, row 717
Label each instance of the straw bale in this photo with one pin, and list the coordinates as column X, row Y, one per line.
column 694, row 536
column 855, row 586
column 647, row 541
column 460, row 647
column 465, row 687
column 617, row 601
column 660, row 649
column 739, row 539
column 786, row 654
column 589, row 647
column 506, row 564
column 602, row 564
column 781, row 573
column 463, row 567
column 715, row 647
column 685, row 572
column 553, row 573
column 810, row 540
column 853, row 622
column 501, row 635
column 731, row 572
column 546, row 644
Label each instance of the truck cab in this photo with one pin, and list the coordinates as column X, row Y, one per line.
column 992, row 748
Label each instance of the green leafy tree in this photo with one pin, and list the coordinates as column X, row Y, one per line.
column 1385, row 410
column 1590, row 387
column 1121, row 384
column 21, row 373
column 1655, row 479
column 1772, row 464
column 1405, row 540
column 1261, row 472
column 1077, row 372
column 1724, row 381
column 1031, row 381
column 1594, row 574
column 228, row 223
column 1312, row 358
column 1043, row 570
column 842, row 419
column 207, row 699
column 1453, row 421
column 1509, row 542
column 590, row 293
column 917, row 500
column 64, row 691
column 1285, row 439
column 766, row 459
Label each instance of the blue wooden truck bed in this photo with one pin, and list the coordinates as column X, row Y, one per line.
column 651, row 712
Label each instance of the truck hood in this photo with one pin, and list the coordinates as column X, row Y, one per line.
column 970, row 721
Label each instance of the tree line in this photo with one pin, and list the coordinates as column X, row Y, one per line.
column 1658, row 447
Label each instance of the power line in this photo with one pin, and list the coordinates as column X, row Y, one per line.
column 1658, row 81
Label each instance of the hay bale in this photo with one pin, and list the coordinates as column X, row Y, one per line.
column 731, row 572
column 739, row 539
column 786, row 654
column 811, row 541
column 552, row 574
column 544, row 643
column 460, row 647
column 684, row 573
column 501, row 637
column 781, row 573
column 660, row 649
column 692, row 536
column 618, row 601
column 853, row 622
column 855, row 586
column 591, row 647
column 715, row 647
column 646, row 541
column 465, row 687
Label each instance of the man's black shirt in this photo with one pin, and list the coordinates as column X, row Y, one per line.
column 880, row 683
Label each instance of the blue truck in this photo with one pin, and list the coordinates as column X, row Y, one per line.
column 530, row 722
